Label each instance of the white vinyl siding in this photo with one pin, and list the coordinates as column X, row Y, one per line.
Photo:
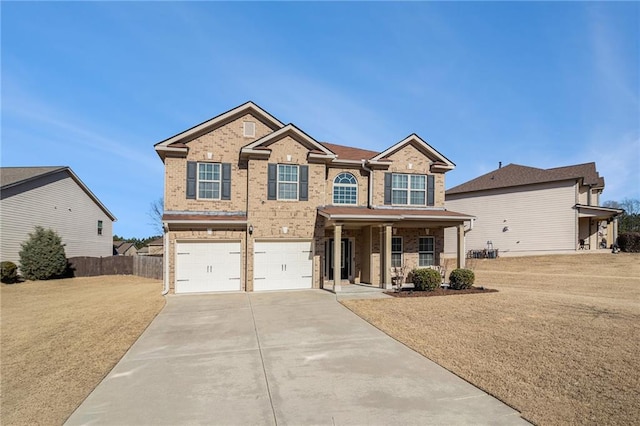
column 63, row 206
column 531, row 220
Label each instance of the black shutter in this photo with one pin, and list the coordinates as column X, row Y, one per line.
column 430, row 189
column 226, row 181
column 192, row 170
column 303, row 182
column 272, row 182
column 387, row 188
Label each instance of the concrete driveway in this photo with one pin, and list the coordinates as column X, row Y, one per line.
column 294, row 358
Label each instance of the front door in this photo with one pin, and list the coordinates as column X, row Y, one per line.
column 345, row 258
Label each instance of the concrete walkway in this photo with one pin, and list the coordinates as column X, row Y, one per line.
column 294, row 358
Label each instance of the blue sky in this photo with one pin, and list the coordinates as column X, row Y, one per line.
column 95, row 85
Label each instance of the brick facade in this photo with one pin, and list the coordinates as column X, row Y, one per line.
column 283, row 220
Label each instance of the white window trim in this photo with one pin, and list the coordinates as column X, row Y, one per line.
column 100, row 227
column 409, row 190
column 345, row 185
column 427, row 252
column 401, row 252
column 278, row 182
column 198, row 197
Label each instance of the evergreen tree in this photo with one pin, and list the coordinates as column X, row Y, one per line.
column 42, row 256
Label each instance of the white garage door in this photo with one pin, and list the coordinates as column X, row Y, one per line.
column 282, row 265
column 207, row 267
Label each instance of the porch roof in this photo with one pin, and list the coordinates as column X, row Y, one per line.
column 341, row 213
column 597, row 211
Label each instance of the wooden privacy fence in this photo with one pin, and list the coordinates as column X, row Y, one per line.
column 142, row 266
column 147, row 266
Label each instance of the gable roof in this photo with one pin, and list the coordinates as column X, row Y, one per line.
column 517, row 175
column 288, row 130
column 177, row 142
column 439, row 160
column 123, row 247
column 13, row 177
column 335, row 153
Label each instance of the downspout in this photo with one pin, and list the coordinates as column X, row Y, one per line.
column 165, row 259
column 370, row 191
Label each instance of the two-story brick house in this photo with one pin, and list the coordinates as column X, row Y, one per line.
column 253, row 204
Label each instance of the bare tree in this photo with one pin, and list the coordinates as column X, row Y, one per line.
column 629, row 220
column 630, row 206
column 156, row 209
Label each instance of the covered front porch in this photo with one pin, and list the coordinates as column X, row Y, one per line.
column 364, row 244
column 597, row 227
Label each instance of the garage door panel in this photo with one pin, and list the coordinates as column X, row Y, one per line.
column 208, row 267
column 283, row 265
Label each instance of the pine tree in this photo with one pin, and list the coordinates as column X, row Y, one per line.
column 42, row 256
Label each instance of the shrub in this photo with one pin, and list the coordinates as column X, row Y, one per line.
column 8, row 272
column 426, row 279
column 629, row 242
column 459, row 279
column 42, row 256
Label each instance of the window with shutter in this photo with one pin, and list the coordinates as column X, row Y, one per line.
column 287, row 182
column 409, row 190
column 208, row 181
column 226, row 181
column 304, row 183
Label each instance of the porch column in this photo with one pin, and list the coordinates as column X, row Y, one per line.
column 615, row 231
column 337, row 256
column 461, row 254
column 386, row 257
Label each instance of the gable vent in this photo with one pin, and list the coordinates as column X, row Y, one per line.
column 249, row 129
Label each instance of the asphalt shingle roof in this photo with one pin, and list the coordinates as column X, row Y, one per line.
column 516, row 175
column 13, row 175
column 349, row 153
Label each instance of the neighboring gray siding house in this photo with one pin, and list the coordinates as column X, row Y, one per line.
column 523, row 210
column 52, row 197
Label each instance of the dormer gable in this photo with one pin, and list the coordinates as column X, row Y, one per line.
column 177, row 144
column 260, row 148
column 439, row 163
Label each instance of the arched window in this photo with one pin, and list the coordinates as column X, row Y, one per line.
column 345, row 189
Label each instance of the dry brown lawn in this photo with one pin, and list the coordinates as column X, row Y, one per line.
column 61, row 337
column 559, row 341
